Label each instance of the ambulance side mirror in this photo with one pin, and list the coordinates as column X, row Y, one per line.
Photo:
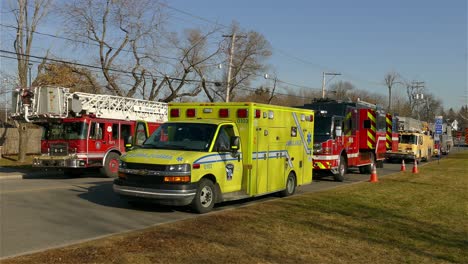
column 235, row 144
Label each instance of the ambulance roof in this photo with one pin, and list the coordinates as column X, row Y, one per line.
column 202, row 121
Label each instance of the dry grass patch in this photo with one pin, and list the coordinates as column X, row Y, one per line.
column 404, row 218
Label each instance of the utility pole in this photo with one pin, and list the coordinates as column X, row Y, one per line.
column 231, row 55
column 323, row 80
column 418, row 96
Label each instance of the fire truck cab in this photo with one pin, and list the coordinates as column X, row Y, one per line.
column 350, row 134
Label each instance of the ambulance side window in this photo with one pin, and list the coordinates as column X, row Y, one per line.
column 224, row 137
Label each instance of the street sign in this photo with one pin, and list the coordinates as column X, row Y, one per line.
column 438, row 125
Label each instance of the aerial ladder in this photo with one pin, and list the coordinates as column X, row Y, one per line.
column 48, row 102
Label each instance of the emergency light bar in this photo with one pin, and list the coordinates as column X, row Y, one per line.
column 191, row 112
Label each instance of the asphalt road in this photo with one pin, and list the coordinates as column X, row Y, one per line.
column 42, row 213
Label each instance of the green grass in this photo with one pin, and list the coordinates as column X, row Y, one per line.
column 404, row 218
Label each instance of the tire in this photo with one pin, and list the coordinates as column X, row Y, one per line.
column 367, row 169
column 290, row 186
column 342, row 169
column 205, row 197
column 110, row 168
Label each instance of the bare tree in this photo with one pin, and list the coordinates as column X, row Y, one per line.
column 342, row 90
column 125, row 32
column 391, row 79
column 248, row 62
column 28, row 15
column 195, row 65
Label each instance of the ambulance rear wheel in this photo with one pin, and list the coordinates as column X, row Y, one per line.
column 111, row 165
column 342, row 168
column 290, row 186
column 205, row 197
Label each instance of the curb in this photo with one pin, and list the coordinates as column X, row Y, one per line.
column 29, row 175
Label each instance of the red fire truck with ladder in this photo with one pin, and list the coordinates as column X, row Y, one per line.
column 350, row 134
column 83, row 130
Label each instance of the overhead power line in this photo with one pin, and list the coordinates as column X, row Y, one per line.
column 245, row 88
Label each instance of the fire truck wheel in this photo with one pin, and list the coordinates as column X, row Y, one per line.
column 205, row 197
column 368, row 168
column 290, row 186
column 111, row 165
column 342, row 168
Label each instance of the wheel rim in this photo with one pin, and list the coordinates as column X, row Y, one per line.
column 290, row 186
column 342, row 168
column 206, row 196
column 113, row 165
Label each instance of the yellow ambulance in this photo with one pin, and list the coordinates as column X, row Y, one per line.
column 213, row 152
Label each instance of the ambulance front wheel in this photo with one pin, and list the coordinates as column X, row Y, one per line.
column 290, row 186
column 205, row 197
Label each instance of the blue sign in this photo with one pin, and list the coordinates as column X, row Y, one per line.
column 438, row 126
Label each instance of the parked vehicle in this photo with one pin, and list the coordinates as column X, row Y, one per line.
column 413, row 145
column 82, row 130
column 213, row 152
column 350, row 134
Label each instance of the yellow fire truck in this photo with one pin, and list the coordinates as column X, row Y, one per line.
column 412, row 145
column 214, row 152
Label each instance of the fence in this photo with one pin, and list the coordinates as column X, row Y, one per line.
column 9, row 140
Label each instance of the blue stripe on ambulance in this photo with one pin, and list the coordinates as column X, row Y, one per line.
column 304, row 141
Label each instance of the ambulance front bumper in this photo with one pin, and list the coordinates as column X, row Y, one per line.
column 177, row 197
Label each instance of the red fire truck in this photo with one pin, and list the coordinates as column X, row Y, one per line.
column 350, row 134
column 82, row 130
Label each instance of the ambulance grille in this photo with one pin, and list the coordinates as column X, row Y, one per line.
column 142, row 166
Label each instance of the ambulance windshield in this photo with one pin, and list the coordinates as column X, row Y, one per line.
column 182, row 136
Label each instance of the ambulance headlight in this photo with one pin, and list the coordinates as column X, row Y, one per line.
column 179, row 168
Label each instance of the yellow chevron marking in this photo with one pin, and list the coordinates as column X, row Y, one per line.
column 389, row 137
column 371, row 116
column 320, row 165
column 369, row 134
column 369, row 144
column 348, row 116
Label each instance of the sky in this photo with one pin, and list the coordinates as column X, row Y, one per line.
column 422, row 40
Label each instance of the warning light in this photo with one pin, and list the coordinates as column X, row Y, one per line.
column 175, row 113
column 224, row 112
column 242, row 113
column 191, row 112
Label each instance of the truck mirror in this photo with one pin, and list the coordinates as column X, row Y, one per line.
column 338, row 131
column 235, row 143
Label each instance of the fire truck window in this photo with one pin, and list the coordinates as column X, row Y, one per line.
column 381, row 122
column 96, row 131
column 125, row 133
column 115, row 131
column 367, row 124
column 140, row 134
